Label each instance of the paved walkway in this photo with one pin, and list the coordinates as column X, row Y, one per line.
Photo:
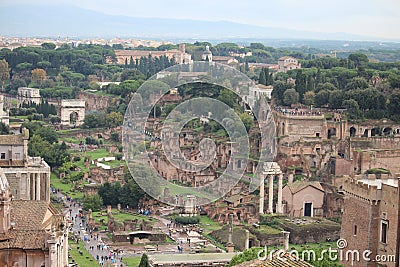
column 93, row 241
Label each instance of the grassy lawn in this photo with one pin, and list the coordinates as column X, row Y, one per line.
column 132, row 261
column 86, row 259
column 208, row 225
column 120, row 217
column 65, row 188
column 114, row 163
column 98, row 153
column 69, row 130
column 71, row 140
column 183, row 190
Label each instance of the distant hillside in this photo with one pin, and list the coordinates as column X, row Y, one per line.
column 65, row 20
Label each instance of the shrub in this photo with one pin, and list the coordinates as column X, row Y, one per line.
column 187, row 220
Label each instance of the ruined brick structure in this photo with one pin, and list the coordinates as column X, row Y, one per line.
column 95, row 102
column 370, row 218
column 321, row 143
column 101, row 176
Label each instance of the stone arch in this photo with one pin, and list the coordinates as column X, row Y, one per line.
column 353, row 131
column 73, row 117
column 366, row 133
column 387, row 131
column 331, row 133
column 376, row 131
column 72, row 112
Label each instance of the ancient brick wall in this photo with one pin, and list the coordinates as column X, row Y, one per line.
column 359, row 214
column 95, row 102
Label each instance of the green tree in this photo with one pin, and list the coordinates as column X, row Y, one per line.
column 262, row 78
column 301, row 83
column 353, row 110
column 290, row 97
column 228, row 97
column 335, row 99
column 4, row 129
column 4, row 72
column 357, row 83
column 110, row 193
column 144, row 261
column 47, row 134
column 358, row 59
column 394, row 106
column 92, row 202
column 394, row 80
column 308, row 98
column 48, row 46
column 321, row 98
column 326, row 86
column 114, row 119
column 247, row 120
column 279, row 89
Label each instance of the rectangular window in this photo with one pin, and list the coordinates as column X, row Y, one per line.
column 355, row 229
column 384, row 229
column 3, row 156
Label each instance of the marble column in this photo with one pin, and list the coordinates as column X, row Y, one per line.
column 279, row 209
column 247, row 241
column 271, row 194
column 262, row 195
column 37, row 178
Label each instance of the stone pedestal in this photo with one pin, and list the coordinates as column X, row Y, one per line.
column 285, row 240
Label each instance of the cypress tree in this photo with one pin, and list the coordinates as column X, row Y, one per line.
column 262, row 79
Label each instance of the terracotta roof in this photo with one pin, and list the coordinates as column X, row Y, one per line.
column 34, row 210
column 222, row 58
column 28, row 230
column 25, row 239
column 300, row 185
column 11, row 139
column 144, row 53
column 262, row 86
column 283, row 261
column 286, row 57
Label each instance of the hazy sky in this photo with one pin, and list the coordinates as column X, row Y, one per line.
column 377, row 18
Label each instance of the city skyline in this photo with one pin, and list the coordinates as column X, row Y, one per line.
column 364, row 18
